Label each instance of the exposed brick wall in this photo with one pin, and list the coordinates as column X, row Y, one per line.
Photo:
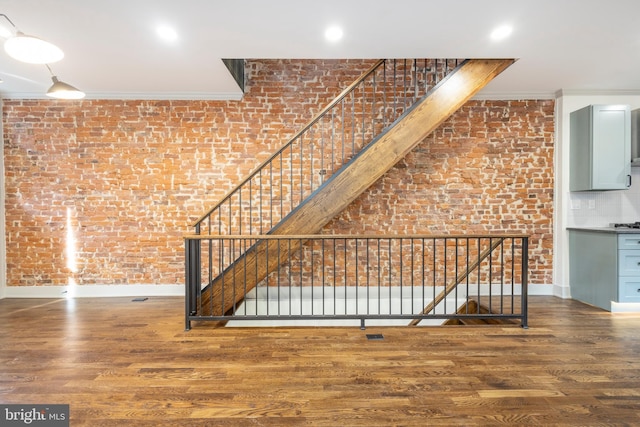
column 489, row 168
column 128, row 177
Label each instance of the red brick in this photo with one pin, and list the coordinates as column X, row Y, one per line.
column 135, row 174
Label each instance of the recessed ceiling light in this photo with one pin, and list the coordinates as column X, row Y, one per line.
column 166, row 33
column 333, row 34
column 501, row 32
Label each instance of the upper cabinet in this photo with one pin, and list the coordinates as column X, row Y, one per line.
column 600, row 152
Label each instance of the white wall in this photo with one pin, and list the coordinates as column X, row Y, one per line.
column 585, row 209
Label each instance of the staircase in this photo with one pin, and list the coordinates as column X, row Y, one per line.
column 346, row 148
column 472, row 306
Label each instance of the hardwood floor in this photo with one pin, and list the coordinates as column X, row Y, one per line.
column 123, row 363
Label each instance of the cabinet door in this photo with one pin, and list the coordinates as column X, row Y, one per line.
column 611, row 146
column 593, row 267
column 629, row 263
column 629, row 241
column 600, row 148
column 629, row 289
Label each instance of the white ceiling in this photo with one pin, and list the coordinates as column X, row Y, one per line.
column 112, row 51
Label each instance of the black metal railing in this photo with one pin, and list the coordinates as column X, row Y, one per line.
column 360, row 277
column 342, row 129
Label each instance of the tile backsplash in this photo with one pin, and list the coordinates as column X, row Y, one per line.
column 601, row 208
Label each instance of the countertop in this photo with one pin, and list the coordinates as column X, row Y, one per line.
column 618, row 230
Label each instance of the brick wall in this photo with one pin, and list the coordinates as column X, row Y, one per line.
column 489, row 168
column 100, row 192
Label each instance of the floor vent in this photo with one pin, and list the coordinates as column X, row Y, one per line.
column 375, row 337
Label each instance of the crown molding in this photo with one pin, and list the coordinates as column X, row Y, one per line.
column 597, row 92
column 512, row 96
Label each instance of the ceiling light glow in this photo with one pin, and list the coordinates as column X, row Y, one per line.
column 5, row 33
column 32, row 50
column 166, row 33
column 333, row 34
column 501, row 32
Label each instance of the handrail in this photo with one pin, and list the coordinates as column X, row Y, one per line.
column 351, row 236
column 293, row 138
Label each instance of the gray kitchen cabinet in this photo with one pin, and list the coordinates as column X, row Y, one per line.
column 600, row 148
column 604, row 267
column 629, row 268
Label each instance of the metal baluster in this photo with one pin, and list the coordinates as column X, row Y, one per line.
column 301, row 277
column 513, row 260
column 301, row 173
column 260, row 199
column 342, row 127
column 467, row 278
column 280, row 157
column 335, row 310
column 401, row 275
column 266, row 262
column 353, row 123
column 356, row 273
column 312, row 275
column 404, row 85
column 222, row 269
column 322, row 150
column 490, row 277
column 390, row 267
column 291, row 174
column 525, row 281
column 323, row 278
column 271, row 191
column 502, row 276
column 456, row 273
column 311, row 150
column 232, row 244
column 333, row 145
column 412, row 242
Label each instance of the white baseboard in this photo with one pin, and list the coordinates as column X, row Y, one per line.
column 563, row 292
column 625, row 307
column 93, row 291
column 97, row 291
column 538, row 290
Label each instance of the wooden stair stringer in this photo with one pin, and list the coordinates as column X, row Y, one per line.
column 343, row 187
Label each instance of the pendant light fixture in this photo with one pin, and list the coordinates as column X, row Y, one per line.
column 31, row 49
column 62, row 90
column 34, row 50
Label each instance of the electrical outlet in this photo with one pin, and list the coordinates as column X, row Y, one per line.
column 592, row 204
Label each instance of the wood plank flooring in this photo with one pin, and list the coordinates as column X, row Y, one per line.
column 123, row 363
